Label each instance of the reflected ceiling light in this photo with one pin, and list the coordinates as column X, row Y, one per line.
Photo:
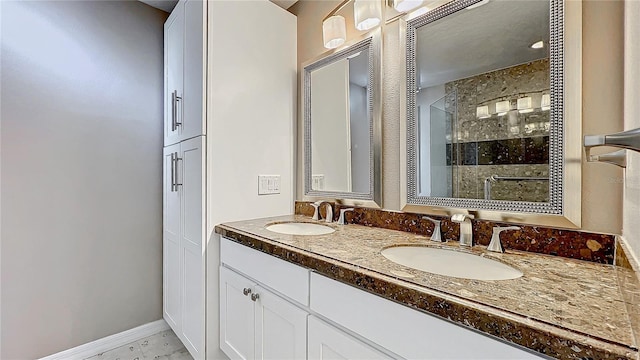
column 545, row 104
column 406, row 5
column 537, row 45
column 366, row 14
column 482, row 112
column 334, row 31
column 524, row 105
column 503, row 107
column 478, row 4
column 354, row 55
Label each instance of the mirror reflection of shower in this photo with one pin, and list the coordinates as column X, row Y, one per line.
column 436, row 127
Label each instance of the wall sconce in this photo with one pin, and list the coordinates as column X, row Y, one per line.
column 367, row 15
column 503, row 107
column 525, row 105
column 482, row 112
column 545, row 103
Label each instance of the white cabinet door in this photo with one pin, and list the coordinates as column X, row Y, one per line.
column 281, row 328
column 171, row 268
column 237, row 316
column 190, row 184
column 194, row 80
column 329, row 343
column 173, row 73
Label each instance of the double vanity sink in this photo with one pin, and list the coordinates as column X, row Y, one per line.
column 557, row 306
column 433, row 260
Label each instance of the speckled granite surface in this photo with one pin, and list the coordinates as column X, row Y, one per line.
column 561, row 307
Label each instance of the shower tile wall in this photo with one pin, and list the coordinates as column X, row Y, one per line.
column 514, row 144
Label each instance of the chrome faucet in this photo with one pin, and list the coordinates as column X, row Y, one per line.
column 316, row 213
column 466, row 228
column 341, row 218
column 435, row 235
column 496, row 244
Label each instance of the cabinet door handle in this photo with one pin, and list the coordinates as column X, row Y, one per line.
column 177, row 172
column 255, row 297
column 246, row 291
column 178, row 100
column 173, row 172
column 174, row 110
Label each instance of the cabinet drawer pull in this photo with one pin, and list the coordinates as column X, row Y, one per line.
column 255, row 297
column 246, row 291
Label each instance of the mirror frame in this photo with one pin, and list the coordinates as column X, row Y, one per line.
column 371, row 43
column 565, row 152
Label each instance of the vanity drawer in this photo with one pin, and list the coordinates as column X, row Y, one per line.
column 402, row 330
column 281, row 276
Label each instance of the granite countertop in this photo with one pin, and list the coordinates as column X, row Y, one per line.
column 560, row 307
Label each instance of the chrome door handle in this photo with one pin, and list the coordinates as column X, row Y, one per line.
column 246, row 291
column 177, row 172
column 173, row 172
column 255, row 297
column 174, row 110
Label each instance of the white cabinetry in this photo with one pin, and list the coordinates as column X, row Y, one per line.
column 329, row 343
column 255, row 323
column 184, row 63
column 336, row 321
column 183, row 234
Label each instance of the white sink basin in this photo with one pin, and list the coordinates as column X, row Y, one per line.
column 450, row 263
column 300, row 228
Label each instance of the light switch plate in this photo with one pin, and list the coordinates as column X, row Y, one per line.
column 268, row 184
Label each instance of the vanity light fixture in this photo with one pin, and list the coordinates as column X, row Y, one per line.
column 503, row 107
column 537, row 45
column 545, row 103
column 524, row 105
column 482, row 112
column 367, row 14
column 406, row 5
column 334, row 31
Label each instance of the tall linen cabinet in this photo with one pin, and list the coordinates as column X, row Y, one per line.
column 230, row 95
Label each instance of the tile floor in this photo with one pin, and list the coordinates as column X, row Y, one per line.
column 163, row 345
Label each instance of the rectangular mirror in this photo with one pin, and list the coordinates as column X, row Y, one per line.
column 484, row 108
column 342, row 124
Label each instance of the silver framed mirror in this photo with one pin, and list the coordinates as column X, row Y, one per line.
column 342, row 124
column 487, row 110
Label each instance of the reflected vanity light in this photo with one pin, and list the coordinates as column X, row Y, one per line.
column 482, row 112
column 537, row 45
column 334, row 31
column 545, row 103
column 366, row 14
column 524, row 105
column 406, row 5
column 503, row 107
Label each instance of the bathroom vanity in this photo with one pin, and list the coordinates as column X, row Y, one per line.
column 324, row 296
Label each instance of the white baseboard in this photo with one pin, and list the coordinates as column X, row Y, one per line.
column 110, row 342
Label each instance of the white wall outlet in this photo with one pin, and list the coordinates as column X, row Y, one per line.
column 268, row 184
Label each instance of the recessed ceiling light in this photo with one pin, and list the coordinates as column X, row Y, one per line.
column 478, row 4
column 537, row 45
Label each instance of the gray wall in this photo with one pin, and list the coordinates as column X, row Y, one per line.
column 81, row 186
